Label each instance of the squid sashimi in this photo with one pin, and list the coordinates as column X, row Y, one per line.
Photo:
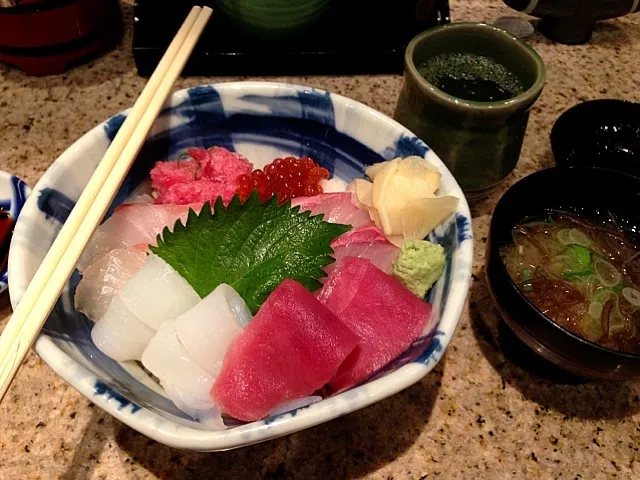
column 157, row 293
column 204, row 411
column 133, row 224
column 104, row 278
column 120, row 334
column 384, row 315
column 186, row 382
column 293, row 346
column 368, row 242
column 207, row 330
column 336, row 207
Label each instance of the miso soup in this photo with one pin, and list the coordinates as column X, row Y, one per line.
column 583, row 275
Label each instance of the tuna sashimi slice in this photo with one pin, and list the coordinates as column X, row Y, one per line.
column 132, row 224
column 293, row 346
column 336, row 207
column 368, row 242
column 385, row 315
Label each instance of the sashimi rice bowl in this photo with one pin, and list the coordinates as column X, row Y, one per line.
column 278, row 256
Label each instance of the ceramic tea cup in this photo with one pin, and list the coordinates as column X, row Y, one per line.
column 479, row 141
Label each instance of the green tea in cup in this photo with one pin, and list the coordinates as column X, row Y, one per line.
column 471, row 77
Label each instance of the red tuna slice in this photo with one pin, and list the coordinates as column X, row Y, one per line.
column 368, row 242
column 291, row 348
column 336, row 207
column 385, row 315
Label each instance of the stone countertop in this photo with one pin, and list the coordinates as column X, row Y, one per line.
column 482, row 413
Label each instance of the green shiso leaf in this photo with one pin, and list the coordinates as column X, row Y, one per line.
column 250, row 246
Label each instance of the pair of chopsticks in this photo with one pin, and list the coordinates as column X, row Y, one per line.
column 58, row 265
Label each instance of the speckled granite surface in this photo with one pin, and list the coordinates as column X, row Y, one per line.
column 483, row 412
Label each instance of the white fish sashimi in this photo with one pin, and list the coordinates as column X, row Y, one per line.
column 333, row 185
column 207, row 330
column 166, row 358
column 158, row 293
column 104, row 278
column 132, row 224
column 367, row 242
column 142, row 198
column 120, row 334
column 207, row 413
column 336, row 208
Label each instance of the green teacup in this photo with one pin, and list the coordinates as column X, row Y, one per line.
column 479, row 141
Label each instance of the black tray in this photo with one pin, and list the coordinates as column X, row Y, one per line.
column 354, row 36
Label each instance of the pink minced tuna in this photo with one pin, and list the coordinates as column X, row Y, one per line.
column 205, row 176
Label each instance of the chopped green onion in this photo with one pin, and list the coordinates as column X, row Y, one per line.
column 582, row 255
column 584, row 273
column 537, row 223
column 595, row 309
column 579, row 238
column 602, row 295
column 578, row 261
column 591, row 327
column 632, row 296
column 564, row 237
column 606, row 273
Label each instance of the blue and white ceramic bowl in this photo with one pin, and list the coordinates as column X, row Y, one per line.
column 261, row 121
column 13, row 195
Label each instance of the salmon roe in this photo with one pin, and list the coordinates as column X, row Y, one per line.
column 287, row 178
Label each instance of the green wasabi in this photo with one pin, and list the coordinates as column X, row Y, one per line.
column 419, row 265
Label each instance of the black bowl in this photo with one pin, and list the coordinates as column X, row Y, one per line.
column 586, row 191
column 599, row 133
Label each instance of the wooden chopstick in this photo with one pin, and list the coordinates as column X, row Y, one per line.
column 95, row 183
column 59, row 263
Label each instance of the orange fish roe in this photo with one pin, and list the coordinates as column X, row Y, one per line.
column 285, row 177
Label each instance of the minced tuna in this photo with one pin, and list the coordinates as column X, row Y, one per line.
column 206, row 175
